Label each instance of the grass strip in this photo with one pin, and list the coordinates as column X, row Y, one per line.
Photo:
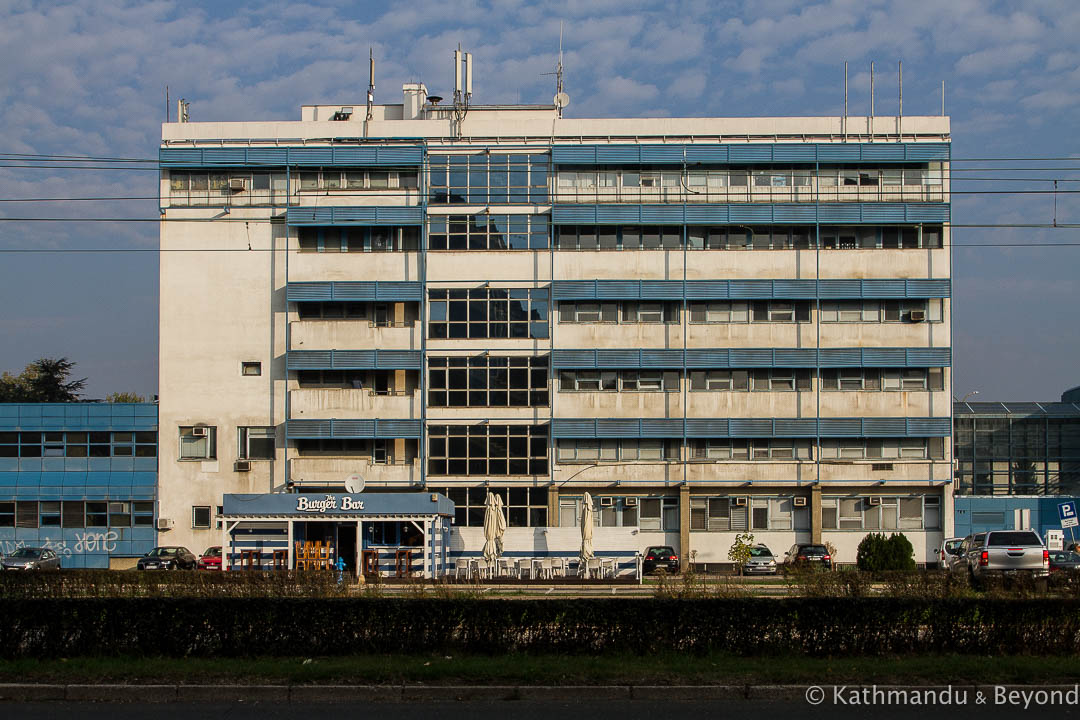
column 672, row 669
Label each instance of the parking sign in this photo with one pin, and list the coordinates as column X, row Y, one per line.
column 1067, row 513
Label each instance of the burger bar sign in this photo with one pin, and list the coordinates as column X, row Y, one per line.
column 332, row 503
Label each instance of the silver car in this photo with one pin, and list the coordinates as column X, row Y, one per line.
column 951, row 552
column 761, row 561
column 32, row 558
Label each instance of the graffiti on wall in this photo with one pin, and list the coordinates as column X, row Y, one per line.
column 89, row 542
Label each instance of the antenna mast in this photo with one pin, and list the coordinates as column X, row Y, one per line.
column 561, row 98
column 371, row 84
column 462, row 91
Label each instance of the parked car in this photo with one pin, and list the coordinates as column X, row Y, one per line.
column 211, row 558
column 168, row 558
column 807, row 555
column 660, row 557
column 950, row 552
column 1006, row 552
column 761, row 562
column 32, row 558
column 1064, row 560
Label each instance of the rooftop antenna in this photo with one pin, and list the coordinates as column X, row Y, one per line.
column 845, row 100
column 371, row 84
column 871, row 99
column 900, row 108
column 561, row 99
column 942, row 98
column 462, row 91
column 182, row 106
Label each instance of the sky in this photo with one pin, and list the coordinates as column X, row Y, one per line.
column 88, row 78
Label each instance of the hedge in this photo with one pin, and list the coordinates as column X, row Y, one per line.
column 289, row 627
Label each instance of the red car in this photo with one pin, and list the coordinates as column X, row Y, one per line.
column 211, row 559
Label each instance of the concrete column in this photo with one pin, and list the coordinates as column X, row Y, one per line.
column 684, row 527
column 815, row 514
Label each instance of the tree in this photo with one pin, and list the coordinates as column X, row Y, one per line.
column 877, row 553
column 740, row 550
column 124, row 397
column 46, row 380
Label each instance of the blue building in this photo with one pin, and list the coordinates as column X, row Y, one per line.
column 79, row 478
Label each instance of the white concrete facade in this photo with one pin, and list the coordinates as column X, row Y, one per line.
column 238, row 247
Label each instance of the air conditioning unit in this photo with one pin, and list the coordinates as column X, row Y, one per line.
column 630, row 502
column 199, row 431
column 164, row 524
column 607, row 501
column 799, row 502
column 917, row 315
column 873, row 500
column 242, row 466
column 237, row 184
column 739, row 502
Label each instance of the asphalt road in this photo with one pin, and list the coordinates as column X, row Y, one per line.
column 526, row 710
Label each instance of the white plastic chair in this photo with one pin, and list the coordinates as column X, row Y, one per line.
column 461, row 568
column 546, row 568
column 483, row 569
column 593, row 568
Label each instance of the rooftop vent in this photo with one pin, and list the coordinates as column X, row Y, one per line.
column 343, row 114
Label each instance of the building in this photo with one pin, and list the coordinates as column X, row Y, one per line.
column 80, row 479
column 710, row 325
column 1015, row 463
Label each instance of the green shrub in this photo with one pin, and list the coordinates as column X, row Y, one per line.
column 878, row 553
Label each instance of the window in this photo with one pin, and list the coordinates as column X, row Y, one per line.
column 488, row 381
column 251, row 368
column 78, row 444
column 617, row 450
column 883, row 448
column 888, row 379
column 719, row 514
column 658, row 514
column 757, row 380
column 873, row 311
column 26, row 514
column 358, row 179
column 487, row 450
column 377, row 382
column 485, row 312
column 758, row 311
column 333, row 310
column 491, row 178
column 751, row 449
column 525, row 506
column 200, row 517
column 198, row 442
column 627, row 312
column 256, row 443
column 358, row 239
column 50, row 513
column 7, row 514
column 619, row 381
column 488, row 232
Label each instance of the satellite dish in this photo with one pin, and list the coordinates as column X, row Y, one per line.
column 354, row 483
column 562, row 100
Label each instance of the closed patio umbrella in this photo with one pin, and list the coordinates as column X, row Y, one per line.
column 586, row 533
column 494, row 527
